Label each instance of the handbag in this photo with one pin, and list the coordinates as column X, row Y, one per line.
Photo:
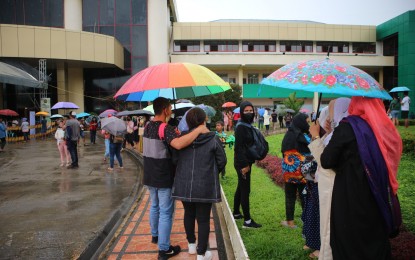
column 309, row 168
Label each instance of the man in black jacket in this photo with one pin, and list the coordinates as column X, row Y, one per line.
column 242, row 163
column 159, row 173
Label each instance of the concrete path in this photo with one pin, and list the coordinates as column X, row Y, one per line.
column 50, row 212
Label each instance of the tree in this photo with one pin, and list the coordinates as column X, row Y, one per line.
column 216, row 101
column 293, row 102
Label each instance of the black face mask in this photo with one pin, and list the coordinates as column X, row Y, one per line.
column 249, row 117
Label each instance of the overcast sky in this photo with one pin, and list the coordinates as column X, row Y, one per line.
column 353, row 12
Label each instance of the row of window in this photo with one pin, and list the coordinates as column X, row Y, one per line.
column 271, row 46
column 253, row 78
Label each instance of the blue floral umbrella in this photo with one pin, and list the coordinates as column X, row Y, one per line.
column 326, row 76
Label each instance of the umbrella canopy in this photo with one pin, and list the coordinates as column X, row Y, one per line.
column 12, row 75
column 56, row 116
column 326, row 76
column 304, row 110
column 8, row 112
column 108, row 112
column 42, row 113
column 149, row 108
column 65, row 105
column 237, row 110
column 229, row 104
column 135, row 113
column 210, row 111
column 399, row 89
column 173, row 81
column 289, row 110
column 83, row 114
column 182, row 105
column 113, row 125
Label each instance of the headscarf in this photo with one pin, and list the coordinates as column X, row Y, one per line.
column 373, row 112
column 338, row 109
column 294, row 138
column 242, row 107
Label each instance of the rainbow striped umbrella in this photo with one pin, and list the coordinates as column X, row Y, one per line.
column 173, row 81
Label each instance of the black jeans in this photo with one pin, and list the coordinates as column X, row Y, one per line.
column 2, row 142
column 93, row 135
column 201, row 212
column 72, row 148
column 290, row 198
column 242, row 192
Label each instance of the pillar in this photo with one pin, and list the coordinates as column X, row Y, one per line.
column 73, row 15
column 76, row 87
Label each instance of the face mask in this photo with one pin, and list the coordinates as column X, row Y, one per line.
column 249, row 117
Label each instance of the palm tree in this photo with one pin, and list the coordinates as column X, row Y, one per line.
column 293, row 102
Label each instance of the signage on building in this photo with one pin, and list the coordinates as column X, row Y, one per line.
column 45, row 105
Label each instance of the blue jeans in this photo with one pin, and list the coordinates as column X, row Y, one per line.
column 115, row 150
column 161, row 215
column 107, row 148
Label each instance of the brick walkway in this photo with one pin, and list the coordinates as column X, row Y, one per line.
column 134, row 238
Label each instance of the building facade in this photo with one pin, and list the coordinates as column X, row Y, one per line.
column 93, row 46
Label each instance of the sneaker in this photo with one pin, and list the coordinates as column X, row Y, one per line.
column 238, row 216
column 110, row 169
column 192, row 248
column 253, row 224
column 72, row 167
column 154, row 240
column 207, row 256
column 173, row 250
column 62, row 164
column 67, row 164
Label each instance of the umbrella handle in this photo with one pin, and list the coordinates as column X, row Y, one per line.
column 318, row 107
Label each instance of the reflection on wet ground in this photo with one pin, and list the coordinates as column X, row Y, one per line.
column 47, row 211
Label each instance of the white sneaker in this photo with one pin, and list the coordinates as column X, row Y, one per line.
column 207, row 256
column 192, row 248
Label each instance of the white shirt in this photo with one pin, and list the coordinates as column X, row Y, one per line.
column 405, row 103
column 59, row 135
column 267, row 118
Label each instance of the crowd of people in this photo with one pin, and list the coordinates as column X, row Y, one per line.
column 347, row 192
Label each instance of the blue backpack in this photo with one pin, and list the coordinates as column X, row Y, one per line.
column 259, row 149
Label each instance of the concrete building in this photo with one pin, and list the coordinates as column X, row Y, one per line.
column 93, row 46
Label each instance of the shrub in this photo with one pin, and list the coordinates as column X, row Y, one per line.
column 408, row 141
column 272, row 165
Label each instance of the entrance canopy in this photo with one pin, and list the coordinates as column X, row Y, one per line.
column 12, row 75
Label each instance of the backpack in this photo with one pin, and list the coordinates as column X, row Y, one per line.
column 259, row 149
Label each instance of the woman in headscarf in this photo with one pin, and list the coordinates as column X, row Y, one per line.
column 294, row 149
column 364, row 152
column 329, row 118
column 242, row 163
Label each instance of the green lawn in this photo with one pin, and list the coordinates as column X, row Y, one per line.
column 273, row 241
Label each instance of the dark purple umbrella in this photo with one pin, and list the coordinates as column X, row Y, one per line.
column 108, row 112
column 65, row 105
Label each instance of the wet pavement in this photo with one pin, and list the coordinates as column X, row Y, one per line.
column 50, row 212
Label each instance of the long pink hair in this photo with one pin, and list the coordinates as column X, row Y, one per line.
column 373, row 112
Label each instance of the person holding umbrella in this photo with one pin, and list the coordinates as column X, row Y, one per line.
column 406, row 101
column 159, row 173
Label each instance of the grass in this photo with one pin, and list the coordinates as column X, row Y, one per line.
column 267, row 202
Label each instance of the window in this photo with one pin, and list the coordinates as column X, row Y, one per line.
column 232, row 80
column 364, row 47
column 258, row 46
column 296, row 46
column 221, row 46
column 265, row 75
column 253, row 78
column 335, row 47
column 186, row 46
column 223, row 76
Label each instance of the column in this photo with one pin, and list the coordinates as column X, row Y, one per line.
column 73, row 15
column 62, row 85
column 76, row 87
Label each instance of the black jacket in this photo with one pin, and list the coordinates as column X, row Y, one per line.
column 243, row 140
column 198, row 168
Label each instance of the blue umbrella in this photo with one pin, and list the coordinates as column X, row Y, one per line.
column 326, row 76
column 83, row 114
column 399, row 89
column 236, row 110
column 210, row 111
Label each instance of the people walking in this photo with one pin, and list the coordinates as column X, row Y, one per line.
column 25, row 129
column 115, row 145
column 281, row 120
column 243, row 163
column 61, row 143
column 3, row 129
column 93, row 130
column 198, row 186
column 393, row 110
column 159, row 173
column 72, row 132
column 274, row 119
column 406, row 101
column 267, row 119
